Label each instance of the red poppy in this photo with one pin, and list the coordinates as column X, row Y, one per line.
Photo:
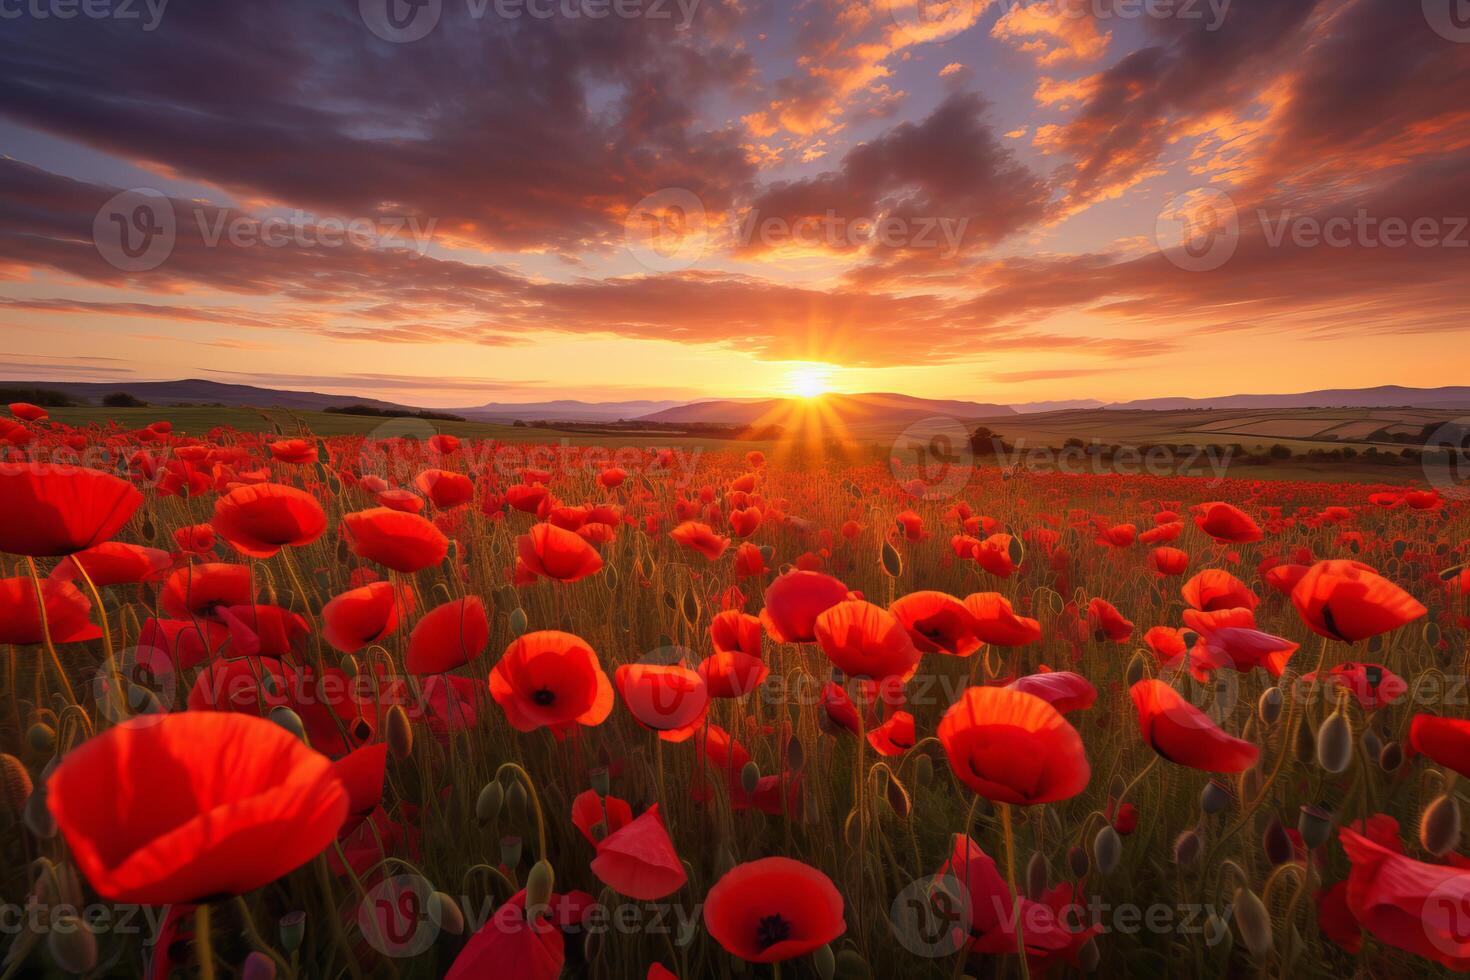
column 358, row 617
column 1062, row 689
column 736, row 667
column 999, row 554
column 937, row 623
column 57, row 510
column 639, row 861
column 1408, row 904
column 115, row 563
column 840, row 710
column 1013, row 747
column 866, row 641
column 193, row 806
column 669, row 699
column 995, row 623
column 445, row 488
column 701, row 538
column 773, row 909
column 263, row 630
column 1225, row 523
column 795, row 600
column 361, row 773
column 293, row 451
column 260, row 519
column 557, row 553
column 402, row 542
column 1166, row 642
column 1229, row 638
column 527, row 499
column 27, row 412
column 1169, row 561
column 1345, row 600
column 1118, row 536
column 895, row 736
column 448, row 636
column 1106, row 622
column 1215, row 588
column 1163, row 533
column 1337, row 920
column 745, row 521
column 1374, row 685
column 1183, row 734
column 553, row 679
column 68, row 613
column 401, row 500
column 612, row 477
column 749, row 561
column 598, row 816
column 196, row 539
column 1284, row 578
column 196, row 590
column 1445, row 740
column 513, row 943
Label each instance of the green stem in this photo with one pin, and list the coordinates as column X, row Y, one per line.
column 1005, row 824
column 203, row 949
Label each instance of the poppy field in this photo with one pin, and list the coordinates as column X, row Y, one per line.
column 280, row 705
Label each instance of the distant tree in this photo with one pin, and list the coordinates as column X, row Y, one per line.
column 986, row 442
column 45, row 397
column 1278, row 451
column 121, row 399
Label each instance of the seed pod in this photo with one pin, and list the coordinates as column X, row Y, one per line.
column 258, row 966
column 1090, row 956
column 1306, row 743
column 518, row 622
column 1217, row 932
column 749, row 777
column 15, row 784
column 289, row 720
column 1035, row 877
column 1276, row 842
column 1136, row 669
column 292, row 928
column 826, row 962
column 1268, row 708
column 1372, row 744
column 400, row 733
column 600, row 780
column 1391, row 757
column 1315, row 825
column 41, row 737
column 1077, row 861
column 510, row 851
column 348, row 665
column 898, row 798
column 1107, row 849
column 516, row 798
column 444, row 910
column 489, row 802
column 1187, row 848
column 690, row 608
column 1439, row 827
column 1335, row 743
column 538, row 887
column 1253, row 921
column 1214, row 797
column 795, row 754
column 71, row 943
column 892, row 562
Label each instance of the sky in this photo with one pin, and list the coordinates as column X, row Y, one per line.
column 450, row 202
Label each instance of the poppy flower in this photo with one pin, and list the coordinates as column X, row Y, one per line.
column 260, row 519
column 745, row 522
column 196, row 539
column 1336, row 920
column 701, row 538
column 196, row 590
column 27, row 412
column 185, row 641
column 795, row 600
column 401, row 500
column 68, row 612
column 1162, row 534
column 513, row 944
column 638, row 860
column 1229, row 638
column 1374, row 685
column 999, row 554
column 263, row 630
column 937, row 623
column 293, row 451
column 1226, row 524
column 1445, row 740
column 840, row 711
column 736, row 667
column 1117, row 536
column 995, row 623
column 448, row 636
column 552, row 679
column 1408, row 904
column 612, row 477
column 361, row 773
column 866, row 641
column 358, row 617
column 598, row 816
column 1166, row 642
column 895, row 736
column 773, row 909
column 557, row 553
column 1215, row 588
column 1284, row 578
column 1169, row 561
column 445, row 488
column 192, row 806
column 1062, row 689
column 669, row 699
column 1013, row 747
column 115, row 563
column 402, row 542
column 1106, row 622
column 1345, row 600
column 57, row 510
column 1183, row 734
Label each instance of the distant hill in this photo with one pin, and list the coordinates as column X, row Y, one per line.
column 850, row 409
column 1066, row 405
column 1384, row 396
column 565, row 410
column 197, row 391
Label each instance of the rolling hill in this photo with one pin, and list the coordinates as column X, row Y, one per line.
column 850, row 409
column 1384, row 396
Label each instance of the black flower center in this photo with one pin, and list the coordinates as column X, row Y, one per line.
column 773, row 929
column 544, row 696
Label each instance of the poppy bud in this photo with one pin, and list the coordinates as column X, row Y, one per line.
column 292, row 930
column 826, row 962
column 924, row 769
column 1035, row 877
column 348, row 665
column 1315, row 825
column 750, row 776
column 1268, row 708
column 538, row 886
column 898, row 798
column 1136, row 669
column 1439, row 828
column 601, row 783
column 1214, row 797
column 1276, row 842
column 1077, row 861
column 1253, row 921
column 510, row 851
column 1107, row 849
column 1335, row 743
column 892, row 562
column 444, row 910
column 795, row 754
column 489, row 802
column 258, row 966
column 15, row 784
column 400, row 733
column 1187, row 848
column 289, row 720
column 41, row 737
column 1391, row 757
column 1250, row 783
column 518, row 622
column 1306, row 743
column 1372, row 744
column 72, row 944
column 1090, row 956
column 851, row 965
column 1217, row 932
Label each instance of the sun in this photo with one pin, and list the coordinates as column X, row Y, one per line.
column 808, row 382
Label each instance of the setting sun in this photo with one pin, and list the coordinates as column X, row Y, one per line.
column 809, row 382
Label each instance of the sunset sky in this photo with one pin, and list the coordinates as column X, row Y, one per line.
column 608, row 208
